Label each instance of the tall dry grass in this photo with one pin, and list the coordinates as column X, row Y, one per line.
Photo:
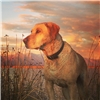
column 19, row 83
column 94, row 73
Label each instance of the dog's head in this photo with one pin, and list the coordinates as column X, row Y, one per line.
column 41, row 34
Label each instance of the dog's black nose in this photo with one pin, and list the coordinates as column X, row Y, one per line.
column 25, row 40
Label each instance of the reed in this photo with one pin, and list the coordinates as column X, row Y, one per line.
column 94, row 73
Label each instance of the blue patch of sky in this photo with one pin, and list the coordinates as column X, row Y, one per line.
column 11, row 11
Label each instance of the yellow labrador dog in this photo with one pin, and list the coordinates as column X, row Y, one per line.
column 63, row 66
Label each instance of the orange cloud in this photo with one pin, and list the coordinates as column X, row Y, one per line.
column 87, row 24
column 83, row 43
column 92, row 2
column 73, row 38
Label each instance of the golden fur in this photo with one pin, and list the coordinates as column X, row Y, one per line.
column 69, row 70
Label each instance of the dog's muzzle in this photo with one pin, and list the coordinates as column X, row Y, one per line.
column 25, row 40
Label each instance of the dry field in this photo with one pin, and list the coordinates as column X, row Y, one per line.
column 20, row 80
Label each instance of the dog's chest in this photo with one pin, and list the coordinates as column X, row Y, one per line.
column 53, row 72
column 55, row 77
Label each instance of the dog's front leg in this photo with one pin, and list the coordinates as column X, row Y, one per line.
column 50, row 89
column 73, row 91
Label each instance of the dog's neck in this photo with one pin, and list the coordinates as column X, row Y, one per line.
column 53, row 47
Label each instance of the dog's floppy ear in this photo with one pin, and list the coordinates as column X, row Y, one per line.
column 53, row 29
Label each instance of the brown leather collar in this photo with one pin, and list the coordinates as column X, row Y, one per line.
column 55, row 55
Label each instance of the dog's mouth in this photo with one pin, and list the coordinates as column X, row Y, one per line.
column 28, row 47
column 36, row 48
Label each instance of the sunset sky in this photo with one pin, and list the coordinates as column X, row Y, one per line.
column 78, row 21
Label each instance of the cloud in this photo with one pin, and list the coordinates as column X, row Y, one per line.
column 72, row 15
column 86, row 24
column 16, row 27
column 30, row 19
column 41, row 7
column 92, row 2
column 60, row 8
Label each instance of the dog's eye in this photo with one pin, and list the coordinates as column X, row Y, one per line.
column 38, row 31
